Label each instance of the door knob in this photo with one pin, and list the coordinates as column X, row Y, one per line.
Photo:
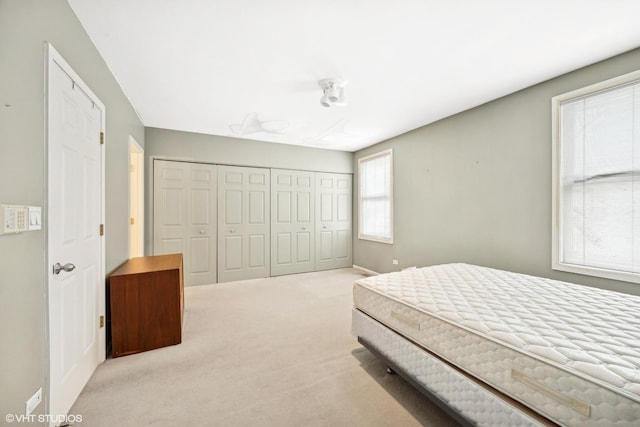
column 57, row 268
column 304, row 228
column 202, row 231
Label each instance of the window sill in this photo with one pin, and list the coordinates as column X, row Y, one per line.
column 597, row 272
column 377, row 240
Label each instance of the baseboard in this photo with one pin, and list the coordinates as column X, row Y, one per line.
column 365, row 271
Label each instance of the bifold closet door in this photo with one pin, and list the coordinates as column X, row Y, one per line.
column 333, row 221
column 292, row 222
column 243, row 223
column 185, row 217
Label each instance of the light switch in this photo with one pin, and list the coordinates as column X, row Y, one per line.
column 35, row 218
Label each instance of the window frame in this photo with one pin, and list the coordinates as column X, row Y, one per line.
column 557, row 249
column 361, row 160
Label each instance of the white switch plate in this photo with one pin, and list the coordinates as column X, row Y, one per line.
column 34, row 401
column 395, row 262
column 35, row 218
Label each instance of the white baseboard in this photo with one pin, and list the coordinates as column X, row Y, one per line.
column 365, row 271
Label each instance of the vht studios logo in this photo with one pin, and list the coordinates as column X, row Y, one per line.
column 46, row 418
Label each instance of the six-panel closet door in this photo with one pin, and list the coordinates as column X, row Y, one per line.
column 185, row 217
column 243, row 223
column 234, row 223
column 292, row 222
column 333, row 221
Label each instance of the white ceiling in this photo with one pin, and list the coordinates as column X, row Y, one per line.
column 250, row 68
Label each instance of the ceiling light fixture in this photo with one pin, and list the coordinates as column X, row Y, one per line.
column 332, row 92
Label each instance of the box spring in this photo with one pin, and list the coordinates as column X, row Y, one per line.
column 568, row 352
column 467, row 401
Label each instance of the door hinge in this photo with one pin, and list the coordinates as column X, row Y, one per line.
column 102, row 229
column 132, row 221
column 102, row 321
column 101, row 138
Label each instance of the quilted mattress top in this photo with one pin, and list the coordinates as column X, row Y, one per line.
column 592, row 332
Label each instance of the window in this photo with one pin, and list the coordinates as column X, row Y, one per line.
column 376, row 197
column 596, row 180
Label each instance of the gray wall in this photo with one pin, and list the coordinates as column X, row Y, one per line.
column 196, row 147
column 476, row 187
column 25, row 25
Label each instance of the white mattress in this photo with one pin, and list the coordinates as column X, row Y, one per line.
column 570, row 352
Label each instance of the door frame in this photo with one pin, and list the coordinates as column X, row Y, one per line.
column 53, row 59
column 134, row 146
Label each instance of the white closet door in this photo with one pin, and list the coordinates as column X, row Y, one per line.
column 185, row 217
column 243, row 223
column 333, row 221
column 292, row 222
column 200, row 267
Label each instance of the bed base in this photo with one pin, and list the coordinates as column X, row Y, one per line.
column 393, row 369
column 461, row 397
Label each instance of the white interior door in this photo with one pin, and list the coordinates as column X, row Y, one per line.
column 202, row 233
column 333, row 221
column 75, row 212
column 185, row 217
column 243, row 223
column 170, row 207
column 292, row 222
column 136, row 199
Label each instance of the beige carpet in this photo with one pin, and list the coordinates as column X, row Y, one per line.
column 265, row 352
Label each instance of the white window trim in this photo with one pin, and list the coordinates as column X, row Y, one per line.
column 364, row 159
column 556, row 263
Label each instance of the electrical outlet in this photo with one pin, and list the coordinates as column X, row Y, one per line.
column 34, row 401
column 394, row 262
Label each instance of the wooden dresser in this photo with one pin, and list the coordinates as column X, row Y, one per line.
column 147, row 304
